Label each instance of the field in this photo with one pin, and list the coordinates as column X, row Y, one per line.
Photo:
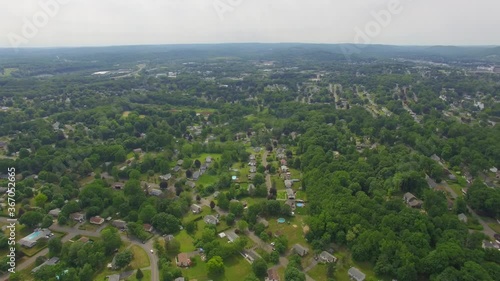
column 186, row 242
column 141, row 258
column 235, row 269
column 318, row 273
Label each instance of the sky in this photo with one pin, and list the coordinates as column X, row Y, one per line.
column 62, row 23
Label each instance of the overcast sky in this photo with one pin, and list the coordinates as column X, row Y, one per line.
column 132, row 22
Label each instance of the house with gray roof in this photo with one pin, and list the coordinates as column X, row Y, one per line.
column 300, row 250
column 288, row 183
column 55, row 212
column 155, row 192
column 355, row 274
column 327, row 257
column 209, row 219
column 196, row 175
column 51, row 261
column 166, row 177
column 290, row 194
column 231, row 236
column 412, row 201
column 176, row 169
column 462, row 217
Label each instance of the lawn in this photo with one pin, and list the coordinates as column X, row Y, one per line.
column 141, row 258
column 281, row 195
column 147, row 276
column 345, row 262
column 88, row 227
column 318, row 272
column 294, row 235
column 457, row 188
column 235, row 268
column 207, row 180
column 8, row 71
column 186, row 241
column 495, row 226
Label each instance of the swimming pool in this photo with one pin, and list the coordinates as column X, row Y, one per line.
column 281, row 220
column 34, row 235
column 300, row 205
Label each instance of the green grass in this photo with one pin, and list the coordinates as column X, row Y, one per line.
column 281, row 195
column 235, row 268
column 294, row 235
column 186, row 241
column 147, row 276
column 88, row 227
column 457, row 188
column 318, row 272
column 345, row 262
column 207, row 180
column 141, row 258
column 495, row 226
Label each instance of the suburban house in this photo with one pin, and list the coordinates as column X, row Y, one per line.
column 55, row 212
column 148, row 227
column 263, row 221
column 118, row 185
column 196, row 175
column 300, row 250
column 166, row 177
column 208, row 160
column 190, row 184
column 251, row 157
column 288, row 183
column 180, row 162
column 96, row 220
column 209, row 219
column 137, row 150
column 231, row 236
column 183, row 260
column 252, row 163
column 176, row 169
column 253, row 170
column 179, row 279
column 284, row 169
column 327, row 257
column 195, row 209
column 155, row 192
column 412, row 201
column 119, row 224
column 462, row 217
column 490, row 245
column 355, row 274
column 3, row 145
column 77, row 217
column 51, row 261
column 251, row 188
column 31, row 240
column 290, row 194
column 169, row 238
column 283, row 162
column 251, row 255
column 272, row 275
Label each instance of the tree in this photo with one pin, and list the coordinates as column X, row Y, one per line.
column 259, row 268
column 86, row 273
column 40, row 200
column 139, row 275
column 147, row 213
column 112, row 239
column 173, row 246
column 197, row 163
column 189, row 174
column 47, row 221
column 215, row 266
column 31, row 219
column 212, row 205
column 166, row 223
column 55, row 246
column 124, row 258
column 242, row 225
column 293, row 274
column 259, row 179
column 230, row 219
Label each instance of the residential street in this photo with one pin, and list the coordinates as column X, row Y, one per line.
column 74, row 231
column 486, row 228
